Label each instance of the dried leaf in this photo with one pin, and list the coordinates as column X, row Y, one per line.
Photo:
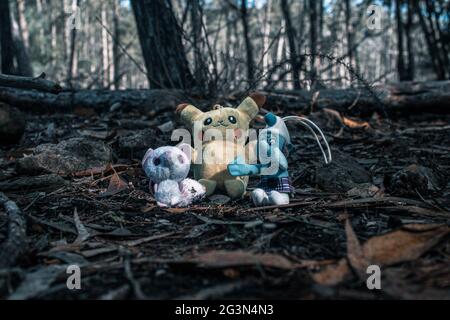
column 225, row 259
column 406, row 244
column 355, row 253
column 116, row 185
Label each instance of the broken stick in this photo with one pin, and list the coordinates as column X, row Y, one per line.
column 15, row 244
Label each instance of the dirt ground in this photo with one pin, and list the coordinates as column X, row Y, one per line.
column 384, row 201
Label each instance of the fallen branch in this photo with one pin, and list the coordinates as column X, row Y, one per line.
column 99, row 100
column 39, row 83
column 402, row 98
column 15, row 244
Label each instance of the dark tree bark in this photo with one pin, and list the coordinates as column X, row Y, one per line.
column 403, row 98
column 21, row 40
column 435, row 32
column 116, row 40
column 6, row 38
column 199, row 65
column 400, row 57
column 409, row 42
column 72, row 52
column 433, row 50
column 248, row 42
column 290, row 31
column 321, row 18
column 349, row 31
column 313, row 38
column 24, row 67
column 162, row 48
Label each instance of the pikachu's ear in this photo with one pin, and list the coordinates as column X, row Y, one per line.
column 250, row 106
column 188, row 113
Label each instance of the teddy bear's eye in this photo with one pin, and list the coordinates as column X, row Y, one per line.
column 207, row 122
column 232, row 119
column 157, row 161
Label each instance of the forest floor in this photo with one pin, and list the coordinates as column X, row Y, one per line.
column 384, row 201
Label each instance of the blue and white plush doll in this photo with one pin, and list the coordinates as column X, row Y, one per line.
column 273, row 146
column 168, row 168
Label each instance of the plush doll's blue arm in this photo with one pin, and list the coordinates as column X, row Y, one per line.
column 276, row 159
column 239, row 168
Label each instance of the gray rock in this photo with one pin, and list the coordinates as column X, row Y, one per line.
column 12, row 124
column 343, row 174
column 414, row 178
column 66, row 157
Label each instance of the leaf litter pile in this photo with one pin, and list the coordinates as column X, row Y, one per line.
column 73, row 193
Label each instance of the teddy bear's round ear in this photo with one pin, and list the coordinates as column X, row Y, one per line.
column 148, row 154
column 181, row 107
column 259, row 98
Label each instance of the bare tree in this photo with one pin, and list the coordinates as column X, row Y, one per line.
column 409, row 42
column 6, row 39
column 200, row 68
column 291, row 35
column 400, row 56
column 71, row 68
column 116, row 41
column 313, row 38
column 248, row 42
column 162, row 48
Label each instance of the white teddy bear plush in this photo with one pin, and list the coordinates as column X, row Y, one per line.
column 168, row 168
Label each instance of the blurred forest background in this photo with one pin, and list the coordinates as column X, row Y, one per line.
column 220, row 46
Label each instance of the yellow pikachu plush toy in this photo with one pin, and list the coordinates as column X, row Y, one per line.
column 223, row 133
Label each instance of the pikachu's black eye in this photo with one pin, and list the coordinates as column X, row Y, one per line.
column 232, row 119
column 207, row 122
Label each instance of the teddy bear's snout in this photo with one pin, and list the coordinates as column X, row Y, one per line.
column 168, row 159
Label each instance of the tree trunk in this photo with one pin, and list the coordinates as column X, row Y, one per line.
column 72, row 66
column 21, row 40
column 266, row 38
column 116, row 41
column 409, row 42
column 313, row 39
column 162, row 48
column 349, row 31
column 248, row 42
column 6, row 38
column 22, row 22
column 290, row 31
column 105, row 49
column 199, row 66
column 433, row 51
column 400, row 57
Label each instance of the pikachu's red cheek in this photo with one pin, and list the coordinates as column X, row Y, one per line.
column 238, row 133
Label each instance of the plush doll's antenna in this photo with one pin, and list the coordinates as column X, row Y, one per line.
column 308, row 123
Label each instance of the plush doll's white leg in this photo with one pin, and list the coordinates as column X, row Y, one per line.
column 168, row 193
column 278, row 198
column 259, row 197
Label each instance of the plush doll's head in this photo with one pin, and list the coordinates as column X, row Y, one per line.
column 166, row 163
column 223, row 119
